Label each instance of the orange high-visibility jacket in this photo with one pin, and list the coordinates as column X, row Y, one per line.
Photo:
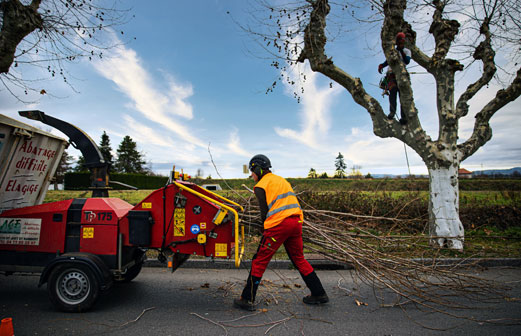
column 281, row 199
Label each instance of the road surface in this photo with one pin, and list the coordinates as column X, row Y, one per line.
column 199, row 302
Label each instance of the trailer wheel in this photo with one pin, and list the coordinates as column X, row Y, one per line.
column 73, row 287
column 131, row 273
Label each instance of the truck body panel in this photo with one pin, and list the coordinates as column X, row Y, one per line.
column 29, row 158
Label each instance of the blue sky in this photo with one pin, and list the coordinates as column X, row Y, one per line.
column 190, row 82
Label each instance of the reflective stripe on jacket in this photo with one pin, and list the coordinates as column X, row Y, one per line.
column 281, row 199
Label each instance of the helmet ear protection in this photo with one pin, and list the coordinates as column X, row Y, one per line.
column 257, row 169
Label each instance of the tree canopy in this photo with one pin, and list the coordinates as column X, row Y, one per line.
column 43, row 36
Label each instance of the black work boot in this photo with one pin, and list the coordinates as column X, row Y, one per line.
column 318, row 294
column 248, row 294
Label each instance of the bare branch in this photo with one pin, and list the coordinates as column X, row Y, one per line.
column 486, row 54
column 482, row 130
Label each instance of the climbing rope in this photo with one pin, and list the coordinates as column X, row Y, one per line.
column 407, row 159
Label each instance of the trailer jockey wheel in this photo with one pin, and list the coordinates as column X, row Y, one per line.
column 73, row 287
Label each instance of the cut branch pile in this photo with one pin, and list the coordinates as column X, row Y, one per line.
column 425, row 280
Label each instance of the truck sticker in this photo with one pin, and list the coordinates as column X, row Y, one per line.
column 28, row 170
column 221, row 250
column 20, row 231
column 146, row 205
column 195, row 229
column 88, row 232
column 89, row 216
column 196, row 209
column 179, row 222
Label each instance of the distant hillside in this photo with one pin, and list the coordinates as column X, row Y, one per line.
column 511, row 171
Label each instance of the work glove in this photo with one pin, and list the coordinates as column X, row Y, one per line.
column 380, row 68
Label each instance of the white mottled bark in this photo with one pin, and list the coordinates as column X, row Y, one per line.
column 444, row 224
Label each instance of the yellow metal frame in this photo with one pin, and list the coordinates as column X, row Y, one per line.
column 238, row 256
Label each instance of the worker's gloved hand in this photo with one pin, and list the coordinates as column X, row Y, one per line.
column 380, row 68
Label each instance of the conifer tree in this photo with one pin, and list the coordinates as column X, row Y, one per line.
column 129, row 159
column 340, row 166
column 105, row 149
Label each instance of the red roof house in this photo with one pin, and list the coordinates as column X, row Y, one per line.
column 463, row 173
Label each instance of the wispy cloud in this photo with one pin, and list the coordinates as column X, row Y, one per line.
column 315, row 110
column 144, row 134
column 374, row 153
column 234, row 144
column 162, row 105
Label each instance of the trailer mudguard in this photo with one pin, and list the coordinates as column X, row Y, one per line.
column 102, row 272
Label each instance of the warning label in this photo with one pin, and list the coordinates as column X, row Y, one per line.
column 88, row 232
column 20, row 231
column 221, row 250
column 179, row 222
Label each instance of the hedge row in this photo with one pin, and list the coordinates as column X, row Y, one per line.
column 81, row 181
column 388, row 184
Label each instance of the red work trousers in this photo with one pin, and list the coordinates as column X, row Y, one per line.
column 289, row 233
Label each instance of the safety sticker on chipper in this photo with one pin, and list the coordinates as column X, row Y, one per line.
column 20, row 231
column 179, row 222
column 221, row 250
column 88, row 232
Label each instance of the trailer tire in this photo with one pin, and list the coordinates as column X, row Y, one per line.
column 73, row 287
column 131, row 273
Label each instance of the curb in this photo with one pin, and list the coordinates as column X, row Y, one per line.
column 322, row 264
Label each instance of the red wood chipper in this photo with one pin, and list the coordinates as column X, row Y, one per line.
column 82, row 246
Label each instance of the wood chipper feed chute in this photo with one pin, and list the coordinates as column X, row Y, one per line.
column 239, row 243
column 187, row 220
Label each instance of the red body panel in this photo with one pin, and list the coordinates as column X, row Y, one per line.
column 99, row 239
column 99, row 225
column 51, row 234
column 104, row 211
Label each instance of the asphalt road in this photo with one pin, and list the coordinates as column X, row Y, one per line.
column 192, row 301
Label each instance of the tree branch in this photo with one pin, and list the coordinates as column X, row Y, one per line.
column 486, row 54
column 314, row 51
column 443, row 31
column 18, row 21
column 482, row 130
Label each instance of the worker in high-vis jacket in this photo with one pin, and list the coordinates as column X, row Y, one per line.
column 283, row 218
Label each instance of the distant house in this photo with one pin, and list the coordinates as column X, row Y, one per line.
column 463, row 173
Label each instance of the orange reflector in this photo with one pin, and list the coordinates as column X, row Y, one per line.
column 170, row 264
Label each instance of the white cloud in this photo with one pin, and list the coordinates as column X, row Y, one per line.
column 374, row 153
column 235, row 145
column 315, row 110
column 160, row 105
column 145, row 135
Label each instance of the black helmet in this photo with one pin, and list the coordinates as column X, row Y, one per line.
column 261, row 161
